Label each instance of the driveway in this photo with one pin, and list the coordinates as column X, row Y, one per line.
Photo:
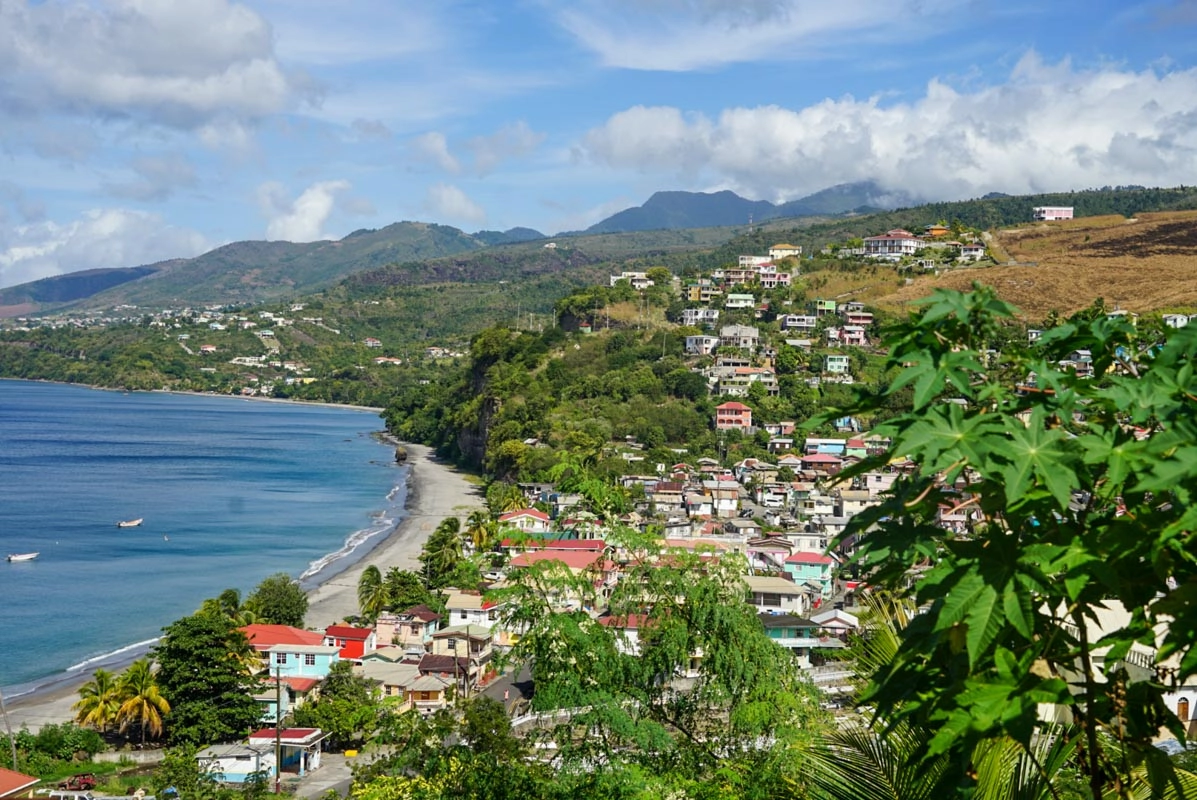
column 333, row 774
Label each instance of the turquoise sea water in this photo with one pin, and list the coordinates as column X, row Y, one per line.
column 230, row 490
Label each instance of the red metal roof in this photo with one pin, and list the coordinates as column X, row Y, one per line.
column 348, row 632
column 525, row 512
column 809, row 558
column 822, row 458
column 572, row 559
column 733, row 406
column 557, row 544
column 13, row 782
column 263, row 637
column 301, row 684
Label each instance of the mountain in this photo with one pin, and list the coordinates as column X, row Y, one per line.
column 510, row 236
column 243, row 272
column 671, row 210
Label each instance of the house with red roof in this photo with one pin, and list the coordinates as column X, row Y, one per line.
column 15, row 783
column 733, row 416
column 529, row 520
column 263, row 637
column 815, row 569
column 300, row 747
column 824, row 463
column 353, row 643
column 893, row 243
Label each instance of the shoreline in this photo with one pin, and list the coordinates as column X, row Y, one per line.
column 435, row 490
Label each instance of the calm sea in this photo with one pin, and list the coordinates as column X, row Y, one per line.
column 230, row 490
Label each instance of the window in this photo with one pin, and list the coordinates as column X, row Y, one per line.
column 768, row 599
column 463, row 614
column 309, row 659
column 451, row 643
column 280, row 658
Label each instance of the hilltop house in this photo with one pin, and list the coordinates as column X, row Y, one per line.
column 733, row 416
column 897, row 242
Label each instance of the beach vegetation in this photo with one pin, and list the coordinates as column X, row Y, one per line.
column 203, row 671
column 442, row 554
column 372, row 595
column 347, row 709
column 142, row 704
column 278, row 600
column 99, row 701
column 55, row 751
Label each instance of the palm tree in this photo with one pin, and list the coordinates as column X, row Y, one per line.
column 442, row 551
column 481, row 530
column 99, row 701
column 143, row 702
column 372, row 594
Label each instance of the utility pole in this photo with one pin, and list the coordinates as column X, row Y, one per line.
column 278, row 730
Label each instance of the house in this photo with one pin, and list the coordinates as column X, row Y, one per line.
column 700, row 317
column 735, row 383
column 739, row 301
column 302, row 660
column 353, row 642
column 744, row 337
column 638, row 280
column 461, row 653
column 822, row 463
column 528, row 520
column 429, row 693
column 800, row 322
column 896, row 242
column 262, row 637
column 666, row 497
column 837, row 364
column 972, row 252
column 235, row 763
column 300, row 747
column 1051, row 213
column 1176, row 320
column 796, row 634
column 780, row 251
column 207, row 348
column 470, row 608
column 861, row 318
column 770, row 278
column 733, row 416
column 813, row 568
column 701, row 345
column 934, row 231
column 747, row 262
column 14, row 783
column 410, row 629
column 371, row 342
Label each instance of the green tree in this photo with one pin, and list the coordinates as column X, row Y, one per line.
column 181, row 772
column 486, row 728
column 142, row 702
column 346, row 710
column 278, row 600
column 406, row 589
column 99, row 701
column 210, row 692
column 442, row 552
column 1083, row 493
column 372, row 595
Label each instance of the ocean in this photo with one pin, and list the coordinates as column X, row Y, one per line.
column 230, row 491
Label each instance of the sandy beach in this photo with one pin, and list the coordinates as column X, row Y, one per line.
column 435, row 490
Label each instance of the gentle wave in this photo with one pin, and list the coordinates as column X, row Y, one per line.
column 112, row 655
column 355, row 541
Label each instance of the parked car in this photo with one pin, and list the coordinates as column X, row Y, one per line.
column 83, row 782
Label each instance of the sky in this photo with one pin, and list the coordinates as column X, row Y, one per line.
column 133, row 131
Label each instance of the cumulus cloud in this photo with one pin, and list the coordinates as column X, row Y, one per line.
column 695, row 34
column 510, row 141
column 180, row 64
column 301, row 219
column 433, row 147
column 111, row 237
column 448, row 201
column 157, row 178
column 1049, row 126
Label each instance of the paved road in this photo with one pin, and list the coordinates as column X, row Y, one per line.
column 333, row 774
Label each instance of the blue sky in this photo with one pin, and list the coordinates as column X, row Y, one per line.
column 138, row 130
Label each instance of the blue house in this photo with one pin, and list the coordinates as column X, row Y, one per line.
column 302, row 660
column 813, row 568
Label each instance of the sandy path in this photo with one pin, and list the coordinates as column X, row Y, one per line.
column 435, row 490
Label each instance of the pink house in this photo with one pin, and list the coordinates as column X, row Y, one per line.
column 733, row 416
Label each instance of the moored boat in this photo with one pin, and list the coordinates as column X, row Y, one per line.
column 22, row 556
column 129, row 523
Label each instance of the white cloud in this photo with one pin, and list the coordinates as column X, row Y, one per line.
column 111, row 237
column 510, row 141
column 302, row 219
column 448, row 201
column 183, row 64
column 433, row 147
column 1049, row 127
column 694, row 34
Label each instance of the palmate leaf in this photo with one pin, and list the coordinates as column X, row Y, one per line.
column 946, row 436
column 1038, row 455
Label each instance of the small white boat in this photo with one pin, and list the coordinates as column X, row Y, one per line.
column 129, row 523
column 22, row 556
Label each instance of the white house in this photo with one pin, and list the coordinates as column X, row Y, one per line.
column 1050, row 213
column 639, row 280
column 744, row 337
column 701, row 345
column 700, row 317
column 739, row 301
column 775, row 595
column 779, row 251
column 897, row 242
column 529, row 520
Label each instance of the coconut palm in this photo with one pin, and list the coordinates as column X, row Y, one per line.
column 442, row 551
column 481, row 529
column 372, row 594
column 142, row 703
column 99, row 701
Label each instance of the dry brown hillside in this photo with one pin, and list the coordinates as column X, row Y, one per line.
column 1148, row 263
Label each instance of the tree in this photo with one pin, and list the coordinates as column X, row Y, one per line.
column 142, row 701
column 372, row 595
column 1082, row 493
column 346, row 709
column 486, row 728
column 406, row 589
column 278, row 600
column 99, row 701
column 442, row 552
column 210, row 692
column 481, row 529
